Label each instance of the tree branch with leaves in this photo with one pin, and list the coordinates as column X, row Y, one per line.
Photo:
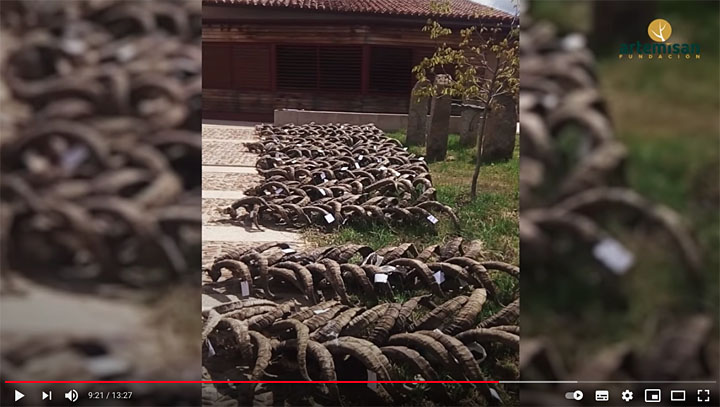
column 482, row 66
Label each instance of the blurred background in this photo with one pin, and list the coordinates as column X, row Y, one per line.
column 100, row 198
column 656, row 317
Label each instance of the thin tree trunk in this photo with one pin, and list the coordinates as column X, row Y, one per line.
column 481, row 135
column 480, row 148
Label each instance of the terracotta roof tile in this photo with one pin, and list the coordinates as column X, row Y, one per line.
column 463, row 9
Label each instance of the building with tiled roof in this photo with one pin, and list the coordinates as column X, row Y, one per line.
column 337, row 55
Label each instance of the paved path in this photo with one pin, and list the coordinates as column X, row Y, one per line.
column 228, row 169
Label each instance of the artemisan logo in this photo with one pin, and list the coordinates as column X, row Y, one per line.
column 659, row 31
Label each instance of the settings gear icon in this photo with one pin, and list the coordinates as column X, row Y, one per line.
column 627, row 395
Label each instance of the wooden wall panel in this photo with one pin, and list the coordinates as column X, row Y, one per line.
column 261, row 96
column 216, row 58
column 251, row 66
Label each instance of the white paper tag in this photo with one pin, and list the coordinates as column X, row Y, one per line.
column 320, row 311
column 288, row 250
column 381, row 278
column 278, row 190
column 244, row 288
column 613, row 255
column 421, row 158
column 378, row 259
column 388, row 269
column 329, row 218
column 383, row 168
column 372, row 377
column 360, row 157
column 432, row 219
column 405, row 148
column 293, row 161
column 211, row 350
column 74, row 157
column 437, row 330
column 343, row 168
column 439, row 277
column 322, row 191
column 357, row 165
column 322, row 175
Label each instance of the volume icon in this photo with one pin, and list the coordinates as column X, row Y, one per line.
column 72, row 395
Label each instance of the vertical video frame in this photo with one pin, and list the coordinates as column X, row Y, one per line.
column 359, row 201
column 100, row 135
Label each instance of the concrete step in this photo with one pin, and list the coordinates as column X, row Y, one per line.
column 240, row 234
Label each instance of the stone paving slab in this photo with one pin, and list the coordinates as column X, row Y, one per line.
column 212, row 211
column 229, row 181
column 223, row 194
column 232, row 141
column 229, row 170
column 224, row 153
column 206, row 169
column 245, row 133
column 239, row 234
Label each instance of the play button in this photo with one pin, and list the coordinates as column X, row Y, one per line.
column 18, row 395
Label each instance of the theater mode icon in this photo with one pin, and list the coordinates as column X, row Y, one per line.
column 677, row 395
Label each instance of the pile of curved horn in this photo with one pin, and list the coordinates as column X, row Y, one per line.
column 572, row 173
column 340, row 310
column 101, row 155
column 327, row 175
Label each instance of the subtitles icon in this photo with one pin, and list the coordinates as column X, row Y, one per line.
column 602, row 395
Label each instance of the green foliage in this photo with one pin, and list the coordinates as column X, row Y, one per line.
column 483, row 60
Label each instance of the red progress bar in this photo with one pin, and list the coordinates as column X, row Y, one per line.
column 248, row 381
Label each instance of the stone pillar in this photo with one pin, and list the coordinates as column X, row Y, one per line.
column 469, row 125
column 417, row 118
column 439, row 128
column 500, row 131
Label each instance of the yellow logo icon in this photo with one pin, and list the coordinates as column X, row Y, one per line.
column 659, row 30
